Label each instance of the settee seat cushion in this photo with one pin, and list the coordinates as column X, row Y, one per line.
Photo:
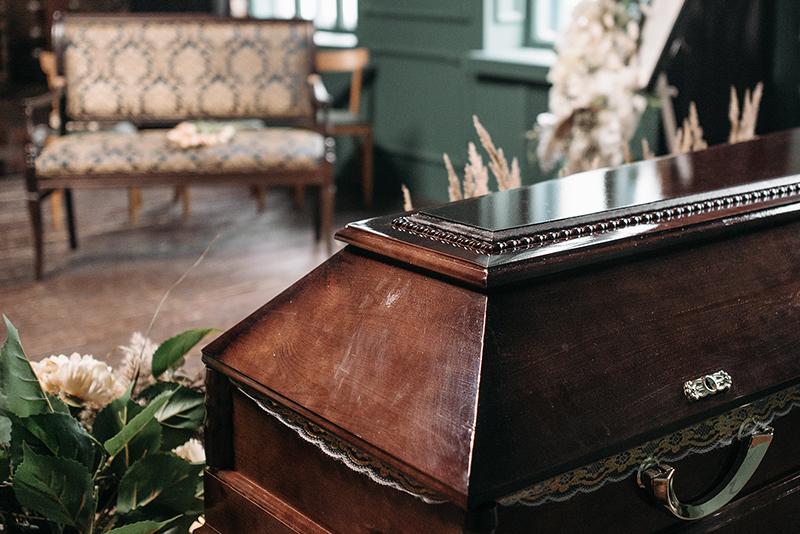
column 149, row 152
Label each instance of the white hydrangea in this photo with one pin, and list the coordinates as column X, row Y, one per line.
column 594, row 89
column 192, row 451
column 79, row 379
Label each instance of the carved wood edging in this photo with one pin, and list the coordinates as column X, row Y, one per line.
column 341, row 450
column 489, row 247
column 716, row 432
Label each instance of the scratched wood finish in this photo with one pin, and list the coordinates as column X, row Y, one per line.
column 478, row 375
column 389, row 349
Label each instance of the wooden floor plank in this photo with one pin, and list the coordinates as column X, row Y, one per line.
column 93, row 299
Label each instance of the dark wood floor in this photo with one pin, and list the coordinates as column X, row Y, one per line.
column 94, row 298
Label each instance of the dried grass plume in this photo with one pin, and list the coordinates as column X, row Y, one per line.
column 743, row 127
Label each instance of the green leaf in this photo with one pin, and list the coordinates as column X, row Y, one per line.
column 53, row 434
column 136, row 425
column 20, row 392
column 141, row 527
column 61, row 490
column 154, row 390
column 5, row 430
column 175, row 348
column 185, row 409
column 161, row 482
column 112, row 418
column 181, row 417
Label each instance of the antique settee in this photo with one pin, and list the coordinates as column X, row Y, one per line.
column 156, row 71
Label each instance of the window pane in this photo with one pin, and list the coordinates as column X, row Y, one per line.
column 326, row 14
column 550, row 17
column 308, row 9
column 349, row 14
column 261, row 9
column 266, row 9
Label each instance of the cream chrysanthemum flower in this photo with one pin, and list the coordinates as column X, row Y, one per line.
column 192, row 451
column 79, row 380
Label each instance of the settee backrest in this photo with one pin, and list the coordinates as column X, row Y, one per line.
column 171, row 68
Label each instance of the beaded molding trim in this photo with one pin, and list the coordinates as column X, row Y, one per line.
column 489, row 247
column 342, row 451
column 702, row 437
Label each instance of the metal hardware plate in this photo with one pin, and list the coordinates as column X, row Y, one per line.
column 706, row 385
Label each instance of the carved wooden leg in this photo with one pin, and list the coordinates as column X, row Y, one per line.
column 35, row 211
column 186, row 203
column 134, row 203
column 71, row 228
column 260, row 195
column 326, row 200
column 56, row 198
column 299, row 197
column 482, row 520
column 367, row 172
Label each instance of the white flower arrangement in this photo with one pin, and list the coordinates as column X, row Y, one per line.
column 79, row 380
column 594, row 97
column 101, row 436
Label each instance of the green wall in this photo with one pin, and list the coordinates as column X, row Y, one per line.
column 419, row 97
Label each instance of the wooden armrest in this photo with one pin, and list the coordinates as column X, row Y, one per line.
column 322, row 98
column 40, row 101
column 34, row 103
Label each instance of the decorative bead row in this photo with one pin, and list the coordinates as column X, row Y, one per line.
column 489, row 247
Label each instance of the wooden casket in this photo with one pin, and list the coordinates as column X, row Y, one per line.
column 616, row 351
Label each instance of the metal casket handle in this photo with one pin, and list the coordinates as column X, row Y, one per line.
column 656, row 480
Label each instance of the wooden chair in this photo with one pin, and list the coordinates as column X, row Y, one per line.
column 349, row 122
column 154, row 77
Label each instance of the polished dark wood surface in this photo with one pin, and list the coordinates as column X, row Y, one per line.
column 552, row 226
column 649, row 184
column 360, row 372
column 404, row 348
column 595, row 359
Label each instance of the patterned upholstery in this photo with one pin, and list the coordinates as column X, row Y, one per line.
column 149, row 152
column 130, row 68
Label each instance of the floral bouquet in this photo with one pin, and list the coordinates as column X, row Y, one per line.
column 595, row 103
column 87, row 449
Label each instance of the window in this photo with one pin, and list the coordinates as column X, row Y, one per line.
column 547, row 19
column 329, row 15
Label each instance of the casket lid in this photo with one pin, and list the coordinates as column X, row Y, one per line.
column 591, row 216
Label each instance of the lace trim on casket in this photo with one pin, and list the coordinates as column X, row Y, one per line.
column 342, row 451
column 702, row 437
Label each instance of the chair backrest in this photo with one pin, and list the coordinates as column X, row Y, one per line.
column 163, row 68
column 353, row 60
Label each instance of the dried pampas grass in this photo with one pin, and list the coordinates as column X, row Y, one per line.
column 689, row 137
column 476, row 174
column 743, row 128
column 407, row 204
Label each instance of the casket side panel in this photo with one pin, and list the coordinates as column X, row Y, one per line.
column 585, row 364
column 622, row 507
column 385, row 357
